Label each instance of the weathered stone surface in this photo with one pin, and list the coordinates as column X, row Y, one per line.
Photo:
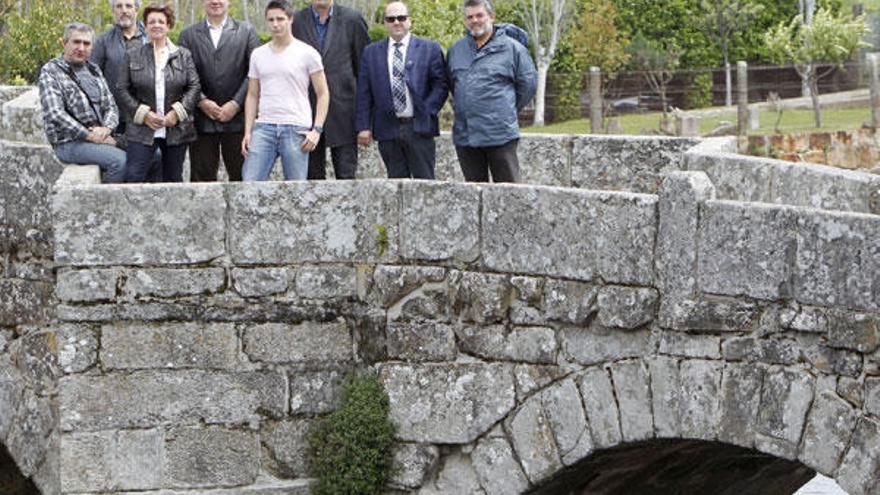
column 143, row 399
column 210, row 457
column 699, row 398
column 79, row 175
column 262, row 486
column 86, row 285
column 169, row 345
column 530, row 378
column 819, row 186
column 525, row 344
column 690, row 345
column 497, row 469
column 163, row 282
column 391, row 283
column 570, row 234
column 544, row 159
column 11, row 385
column 456, row 475
column 568, row 301
column 835, row 361
column 447, row 403
column 858, row 470
column 665, row 393
column 440, row 221
column 529, row 289
column 421, row 341
column 285, row 447
column 804, row 319
column 706, row 314
column 746, row 249
column 28, row 437
column 785, row 399
column 28, row 174
column 532, row 437
column 35, row 355
column 24, row 302
column 429, row 302
column 414, row 461
column 773, row 351
column 338, row 221
column 837, row 259
column 633, row 392
column 851, row 390
column 564, row 412
column 136, row 459
column 601, row 408
column 112, row 460
column 626, row 307
column 308, row 343
column 480, row 297
column 829, row 426
column 77, row 347
column 326, row 281
column 740, row 397
column 597, row 344
column 139, row 226
column 85, row 462
column 855, row 331
column 314, row 392
column 872, row 395
column 258, row 282
column 736, row 177
column 22, row 118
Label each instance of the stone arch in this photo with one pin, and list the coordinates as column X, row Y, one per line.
column 12, row 481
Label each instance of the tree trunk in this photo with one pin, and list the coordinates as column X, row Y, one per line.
column 806, row 87
column 543, row 68
column 728, row 90
column 814, row 96
column 244, row 11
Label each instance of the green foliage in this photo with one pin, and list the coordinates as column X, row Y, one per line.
column 439, row 20
column 596, row 40
column 31, row 38
column 699, row 93
column 381, row 237
column 722, row 19
column 830, row 39
column 351, row 448
column 377, row 32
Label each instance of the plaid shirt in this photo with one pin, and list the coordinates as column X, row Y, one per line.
column 67, row 113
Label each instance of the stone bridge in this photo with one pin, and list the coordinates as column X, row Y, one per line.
column 654, row 315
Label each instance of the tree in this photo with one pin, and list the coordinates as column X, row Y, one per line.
column 829, row 40
column 722, row 19
column 596, row 41
column 31, row 37
column 657, row 63
column 546, row 22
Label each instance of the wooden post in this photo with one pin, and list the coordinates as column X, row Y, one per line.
column 596, row 124
column 742, row 102
column 873, row 60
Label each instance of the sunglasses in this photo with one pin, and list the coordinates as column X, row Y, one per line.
column 399, row 18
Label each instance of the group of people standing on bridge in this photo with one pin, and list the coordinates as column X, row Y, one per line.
column 133, row 102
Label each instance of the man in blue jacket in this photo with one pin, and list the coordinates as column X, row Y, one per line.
column 493, row 77
column 401, row 89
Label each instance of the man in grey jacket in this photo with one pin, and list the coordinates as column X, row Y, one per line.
column 492, row 77
column 221, row 48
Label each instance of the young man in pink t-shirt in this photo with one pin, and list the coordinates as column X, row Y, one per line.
column 277, row 113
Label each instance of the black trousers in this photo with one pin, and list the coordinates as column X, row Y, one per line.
column 345, row 161
column 204, row 156
column 501, row 161
column 409, row 155
column 140, row 162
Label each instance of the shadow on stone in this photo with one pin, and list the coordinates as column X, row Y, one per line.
column 11, row 480
column 673, row 467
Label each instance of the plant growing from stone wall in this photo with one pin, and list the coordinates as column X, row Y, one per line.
column 351, row 449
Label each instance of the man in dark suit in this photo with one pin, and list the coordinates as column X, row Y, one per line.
column 340, row 35
column 221, row 48
column 401, row 88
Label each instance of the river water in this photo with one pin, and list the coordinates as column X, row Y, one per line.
column 820, row 485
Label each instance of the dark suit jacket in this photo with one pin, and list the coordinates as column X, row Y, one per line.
column 222, row 71
column 346, row 38
column 425, row 76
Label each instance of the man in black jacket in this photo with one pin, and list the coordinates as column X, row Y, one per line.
column 221, row 48
column 340, row 35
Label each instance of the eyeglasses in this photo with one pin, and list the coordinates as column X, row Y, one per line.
column 399, row 18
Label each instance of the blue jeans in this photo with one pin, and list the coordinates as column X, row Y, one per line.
column 110, row 159
column 268, row 141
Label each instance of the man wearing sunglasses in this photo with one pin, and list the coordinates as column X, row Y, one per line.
column 401, row 89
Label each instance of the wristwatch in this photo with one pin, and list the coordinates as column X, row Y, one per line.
column 318, row 128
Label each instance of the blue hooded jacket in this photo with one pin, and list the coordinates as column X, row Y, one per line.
column 489, row 87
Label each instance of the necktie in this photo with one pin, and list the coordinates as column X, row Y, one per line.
column 398, row 85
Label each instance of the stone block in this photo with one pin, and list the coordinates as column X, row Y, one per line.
column 565, row 414
column 77, row 347
column 568, row 301
column 820, row 187
column 530, row 378
column 85, row 462
column 598, row 344
column 314, row 392
column 545, row 159
column 326, row 281
column 108, row 461
column 525, row 344
column 421, row 341
column 497, row 470
column 838, row 362
column 580, row 235
column 872, row 395
column 392, row 283
column 804, row 319
column 533, row 440
column 772, row 351
column 24, row 302
column 735, row 177
column 21, row 118
column 528, row 289
column 727, row 315
column 440, row 221
column 829, row 425
column 285, row 447
column 633, row 391
column 746, row 249
column 740, row 397
column 79, row 175
column 142, row 399
column 28, row 173
column 665, row 396
column 11, row 385
column 169, row 345
column 86, row 285
column 456, row 475
column 447, row 403
column 851, row 390
column 28, row 438
column 858, row 332
column 690, row 345
column 837, row 257
column 600, row 405
column 858, row 470
column 35, row 354
column 479, row 297
column 295, row 222
column 258, row 282
column 626, row 307
column 136, row 462
column 699, row 399
column 164, row 282
column 210, row 457
column 785, row 399
column 414, row 461
column 306, row 343
column 154, row 225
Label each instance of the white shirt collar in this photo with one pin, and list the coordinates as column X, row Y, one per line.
column 221, row 26
column 404, row 42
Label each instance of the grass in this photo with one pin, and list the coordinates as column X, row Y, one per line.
column 792, row 121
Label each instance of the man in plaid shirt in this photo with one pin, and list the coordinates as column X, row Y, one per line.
column 79, row 112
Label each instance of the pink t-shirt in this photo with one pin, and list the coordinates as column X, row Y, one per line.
column 284, row 82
